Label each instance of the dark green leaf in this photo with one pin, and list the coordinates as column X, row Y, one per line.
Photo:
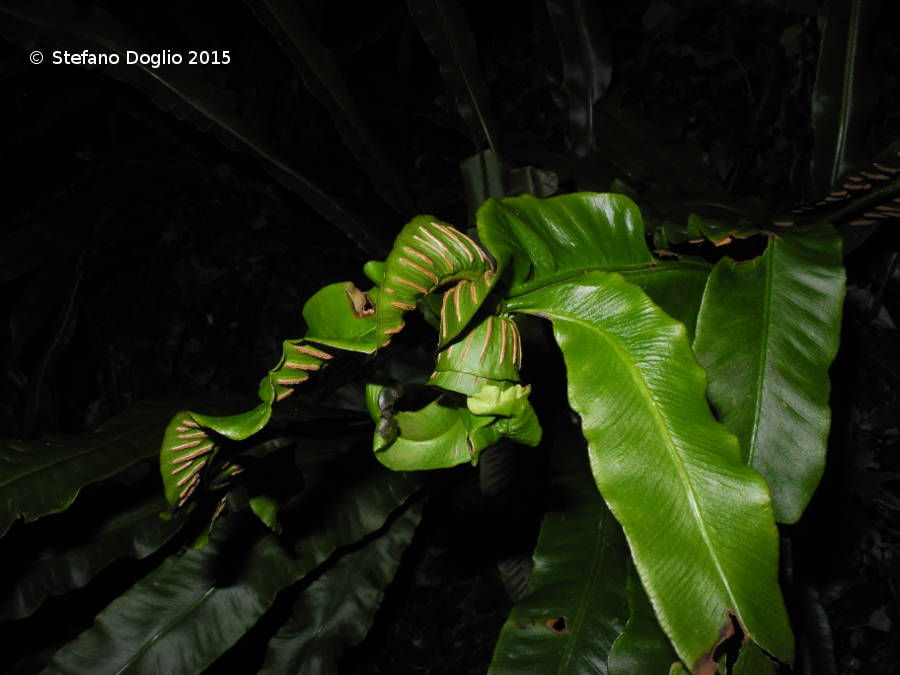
column 587, row 65
column 445, row 30
column 323, row 78
column 753, row 661
column 337, row 609
column 643, row 646
column 766, row 335
column 181, row 617
column 699, row 522
column 844, row 93
column 135, row 533
column 575, row 606
column 42, row 477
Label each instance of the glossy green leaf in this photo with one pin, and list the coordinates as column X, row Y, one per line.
column 587, row 65
column 438, row 436
column 42, row 477
column 698, row 521
column 575, row 606
column 178, row 89
column 338, row 316
column 427, row 254
column 443, row 434
column 181, row 617
column 643, row 646
column 323, row 78
column 492, row 351
column 546, row 240
column 135, row 533
column 542, row 241
column 266, row 509
column 843, row 97
column 448, row 35
column 767, row 333
column 337, row 609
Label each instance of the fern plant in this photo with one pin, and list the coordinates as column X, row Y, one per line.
column 697, row 498
column 699, row 390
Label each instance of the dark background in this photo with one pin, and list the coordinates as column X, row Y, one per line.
column 140, row 256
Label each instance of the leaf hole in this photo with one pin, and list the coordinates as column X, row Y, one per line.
column 557, row 625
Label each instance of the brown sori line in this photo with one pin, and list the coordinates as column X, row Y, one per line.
column 487, row 339
column 435, row 249
column 199, row 465
column 458, row 289
column 855, row 179
column 829, row 198
column 196, row 453
column 394, row 331
column 302, row 366
column 487, row 277
column 424, row 258
column 875, row 176
column 820, row 203
column 857, row 186
column 858, row 223
column 444, row 314
column 433, row 375
column 389, row 290
column 513, row 329
column 195, row 434
column 237, row 470
column 401, row 280
column 458, row 375
column 783, row 223
column 420, row 268
column 283, row 395
column 839, row 193
column 285, row 382
column 450, row 351
column 466, row 347
column 218, row 511
column 886, row 169
column 189, row 423
column 403, row 305
column 502, row 339
column 179, row 469
column 312, row 352
column 876, row 214
column 519, row 342
column 441, row 246
column 472, row 293
column 453, row 456
column 475, row 381
column 450, row 232
column 181, row 429
column 185, row 446
column 187, row 492
column 887, row 208
column 477, row 248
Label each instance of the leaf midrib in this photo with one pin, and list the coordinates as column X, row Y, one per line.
column 647, row 396
column 763, row 354
column 597, row 564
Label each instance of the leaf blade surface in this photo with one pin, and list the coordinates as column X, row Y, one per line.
column 699, row 523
